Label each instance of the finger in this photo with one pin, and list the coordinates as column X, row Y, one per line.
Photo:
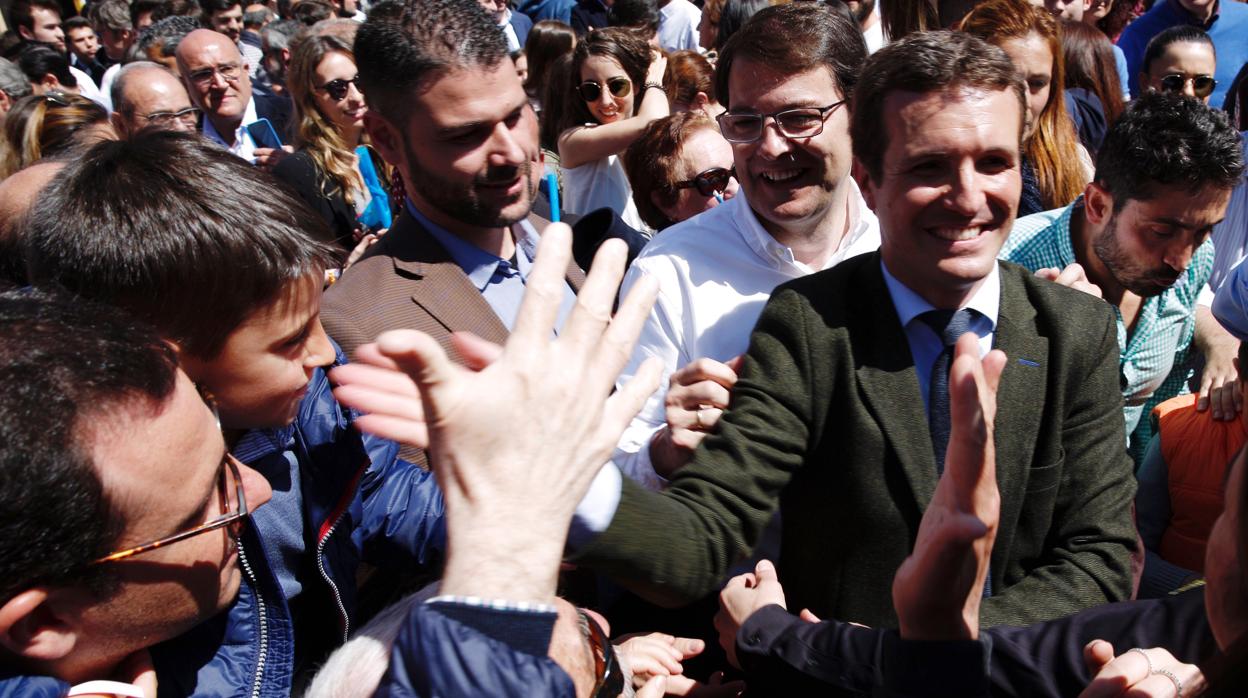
column 625, row 403
column 389, row 380
column 809, row 617
column 1226, row 401
column 543, row 291
column 616, row 345
column 1048, row 273
column 476, row 352
column 994, row 365
column 705, row 393
column 585, row 326
column 1126, row 670
column 1096, row 654
column 1202, row 397
column 688, row 646
column 419, row 356
column 766, row 572
column 1070, row 275
column 401, row 430
column 369, row 354
column 693, row 418
column 736, row 362
column 705, row 370
column 373, row 401
column 656, row 687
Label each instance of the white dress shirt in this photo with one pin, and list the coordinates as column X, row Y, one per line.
column 243, row 146
column 678, row 26
column 715, row 273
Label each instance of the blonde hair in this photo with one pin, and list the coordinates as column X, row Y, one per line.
column 315, row 134
column 1053, row 148
column 40, row 126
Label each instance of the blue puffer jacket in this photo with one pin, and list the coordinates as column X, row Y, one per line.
column 358, row 501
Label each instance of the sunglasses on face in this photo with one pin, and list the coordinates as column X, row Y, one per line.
column 1202, row 85
column 337, row 89
column 618, row 87
column 709, row 182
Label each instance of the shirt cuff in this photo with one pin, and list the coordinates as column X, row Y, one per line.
column 525, row 627
column 958, row 668
column 597, row 508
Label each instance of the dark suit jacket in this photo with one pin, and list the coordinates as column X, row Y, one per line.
column 786, row 656
column 521, row 24
column 310, row 184
column 826, row 423
column 409, row 281
column 277, row 110
column 588, row 14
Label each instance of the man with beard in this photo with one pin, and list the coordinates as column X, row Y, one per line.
column 1140, row 233
column 867, row 12
column 448, row 110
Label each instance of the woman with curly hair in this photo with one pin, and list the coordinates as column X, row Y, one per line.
column 333, row 170
column 1055, row 167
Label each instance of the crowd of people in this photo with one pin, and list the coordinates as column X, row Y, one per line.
column 624, row 348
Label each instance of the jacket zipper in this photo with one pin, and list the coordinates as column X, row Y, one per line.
column 264, row 624
column 320, row 566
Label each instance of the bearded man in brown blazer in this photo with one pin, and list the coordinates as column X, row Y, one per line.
column 456, row 123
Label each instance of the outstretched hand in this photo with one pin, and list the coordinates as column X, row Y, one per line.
column 938, row 589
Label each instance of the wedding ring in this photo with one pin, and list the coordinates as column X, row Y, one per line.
column 698, row 415
column 1178, row 685
column 1143, row 654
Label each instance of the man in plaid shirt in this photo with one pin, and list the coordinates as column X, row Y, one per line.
column 1139, row 237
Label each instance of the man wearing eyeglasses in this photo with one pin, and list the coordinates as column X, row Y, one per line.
column 797, row 211
column 218, row 84
column 123, row 508
column 146, row 95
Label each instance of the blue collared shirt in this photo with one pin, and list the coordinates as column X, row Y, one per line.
column 925, row 344
column 500, row 281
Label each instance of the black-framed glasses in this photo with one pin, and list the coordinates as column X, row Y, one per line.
column 591, row 91
column 1202, row 85
column 189, row 116
column 233, row 510
column 805, row 122
column 58, row 98
column 608, row 678
column 228, row 71
column 337, row 89
column 709, row 182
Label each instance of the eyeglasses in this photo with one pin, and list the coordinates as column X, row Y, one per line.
column 806, row 122
column 337, row 89
column 188, row 116
column 1202, row 85
column 609, row 679
column 233, row 510
column 228, row 71
column 618, row 87
column 60, row 99
column 708, row 182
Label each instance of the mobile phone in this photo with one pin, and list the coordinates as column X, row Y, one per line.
column 263, row 134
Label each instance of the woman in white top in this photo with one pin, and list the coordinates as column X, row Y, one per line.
column 615, row 92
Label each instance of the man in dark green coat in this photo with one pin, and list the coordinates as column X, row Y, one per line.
column 840, row 419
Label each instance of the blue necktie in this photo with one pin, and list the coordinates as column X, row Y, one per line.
column 948, row 325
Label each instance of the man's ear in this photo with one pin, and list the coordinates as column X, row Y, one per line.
column 25, row 34
column 1098, row 205
column 385, row 138
column 119, row 124
column 32, row 626
column 49, row 83
column 859, row 172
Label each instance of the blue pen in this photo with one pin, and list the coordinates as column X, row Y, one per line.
column 719, row 197
column 552, row 193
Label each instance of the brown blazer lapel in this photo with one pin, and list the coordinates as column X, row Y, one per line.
column 442, row 288
column 890, row 387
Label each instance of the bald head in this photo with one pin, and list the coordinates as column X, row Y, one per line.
column 146, row 94
column 215, row 77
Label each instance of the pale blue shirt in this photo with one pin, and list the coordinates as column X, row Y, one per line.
column 500, row 282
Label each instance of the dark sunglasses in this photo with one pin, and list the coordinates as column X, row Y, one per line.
column 1202, row 85
column 591, row 91
column 337, row 89
column 608, row 677
column 709, row 182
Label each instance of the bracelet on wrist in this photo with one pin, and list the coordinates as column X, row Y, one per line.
column 650, row 85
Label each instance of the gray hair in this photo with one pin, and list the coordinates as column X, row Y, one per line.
column 279, row 34
column 166, row 33
column 110, row 14
column 13, row 82
column 256, row 18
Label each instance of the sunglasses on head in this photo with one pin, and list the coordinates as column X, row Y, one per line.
column 618, row 87
column 337, row 89
column 1202, row 85
column 709, row 182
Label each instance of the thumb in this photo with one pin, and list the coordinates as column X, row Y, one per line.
column 1096, row 654
column 419, row 356
column 765, row 572
column 735, row 362
column 476, row 352
column 809, row 617
column 656, row 687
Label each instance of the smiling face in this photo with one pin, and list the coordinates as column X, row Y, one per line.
column 703, row 150
column 791, row 183
column 607, row 108
column 1034, row 61
column 261, row 374
column 1189, row 60
column 347, row 114
column 1148, row 244
column 948, row 189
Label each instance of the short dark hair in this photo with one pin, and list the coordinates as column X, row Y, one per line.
column 178, row 232
column 638, row 14
column 733, row 15
column 75, row 22
column 166, row 33
column 796, row 38
column 1180, row 34
column 38, row 59
column 258, row 18
column 64, row 362
column 431, row 37
column 211, row 7
column 176, row 8
column 23, row 15
column 1171, row 141
column 309, row 12
column 925, row 62
column 139, row 7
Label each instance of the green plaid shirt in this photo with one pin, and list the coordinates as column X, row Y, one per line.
column 1152, row 361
